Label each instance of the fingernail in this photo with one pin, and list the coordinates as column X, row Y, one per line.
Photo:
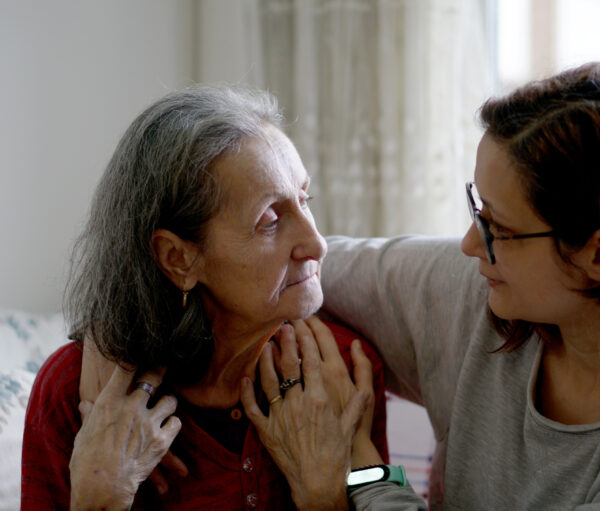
column 162, row 488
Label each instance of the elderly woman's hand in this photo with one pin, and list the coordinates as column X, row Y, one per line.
column 307, row 435
column 95, row 374
column 120, row 442
column 341, row 388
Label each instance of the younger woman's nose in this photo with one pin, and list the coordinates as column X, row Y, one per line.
column 472, row 244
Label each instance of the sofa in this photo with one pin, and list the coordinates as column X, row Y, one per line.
column 27, row 339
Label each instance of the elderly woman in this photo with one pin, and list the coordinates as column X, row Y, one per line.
column 200, row 244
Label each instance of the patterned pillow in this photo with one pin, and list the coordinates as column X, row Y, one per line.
column 15, row 386
column 26, row 340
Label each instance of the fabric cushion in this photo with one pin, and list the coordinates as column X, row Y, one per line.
column 15, row 386
column 26, row 340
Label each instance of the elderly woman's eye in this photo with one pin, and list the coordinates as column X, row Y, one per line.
column 268, row 221
column 305, row 200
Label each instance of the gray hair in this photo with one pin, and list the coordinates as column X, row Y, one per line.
column 160, row 176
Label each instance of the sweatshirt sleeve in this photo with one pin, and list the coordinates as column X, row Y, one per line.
column 414, row 298
column 387, row 497
column 417, row 300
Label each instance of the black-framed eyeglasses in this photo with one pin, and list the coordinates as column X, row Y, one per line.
column 483, row 227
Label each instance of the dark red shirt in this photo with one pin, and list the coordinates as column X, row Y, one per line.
column 218, row 480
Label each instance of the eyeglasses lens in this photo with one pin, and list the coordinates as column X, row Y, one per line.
column 482, row 225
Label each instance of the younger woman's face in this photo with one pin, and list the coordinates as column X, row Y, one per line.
column 529, row 280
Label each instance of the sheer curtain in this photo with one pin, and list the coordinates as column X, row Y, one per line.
column 381, row 97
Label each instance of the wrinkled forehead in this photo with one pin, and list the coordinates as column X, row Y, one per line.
column 264, row 164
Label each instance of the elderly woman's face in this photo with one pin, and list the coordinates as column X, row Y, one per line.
column 262, row 257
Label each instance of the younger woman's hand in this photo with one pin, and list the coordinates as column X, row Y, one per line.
column 120, row 442
column 309, row 438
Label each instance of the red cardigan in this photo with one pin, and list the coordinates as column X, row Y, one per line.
column 218, row 479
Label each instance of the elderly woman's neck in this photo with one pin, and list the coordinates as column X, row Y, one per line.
column 236, row 355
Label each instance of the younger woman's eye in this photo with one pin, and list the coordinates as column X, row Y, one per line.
column 498, row 229
column 495, row 228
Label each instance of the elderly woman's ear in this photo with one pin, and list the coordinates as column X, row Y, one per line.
column 180, row 260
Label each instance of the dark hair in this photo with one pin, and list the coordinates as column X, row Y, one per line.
column 551, row 132
column 159, row 177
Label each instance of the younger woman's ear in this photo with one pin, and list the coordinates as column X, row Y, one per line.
column 175, row 257
column 589, row 257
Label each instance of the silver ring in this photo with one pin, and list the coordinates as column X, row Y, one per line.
column 146, row 387
column 288, row 383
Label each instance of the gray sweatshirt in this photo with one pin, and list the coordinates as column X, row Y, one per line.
column 423, row 304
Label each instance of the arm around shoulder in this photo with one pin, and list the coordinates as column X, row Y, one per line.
column 403, row 294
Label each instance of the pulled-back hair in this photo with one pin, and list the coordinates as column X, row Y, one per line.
column 159, row 176
column 550, row 130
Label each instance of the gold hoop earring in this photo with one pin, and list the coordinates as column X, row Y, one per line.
column 185, row 295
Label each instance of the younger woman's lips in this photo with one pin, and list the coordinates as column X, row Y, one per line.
column 491, row 282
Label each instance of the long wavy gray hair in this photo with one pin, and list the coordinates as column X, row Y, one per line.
column 160, row 176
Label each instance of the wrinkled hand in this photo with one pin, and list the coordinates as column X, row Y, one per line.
column 340, row 386
column 309, row 439
column 120, row 442
column 95, row 374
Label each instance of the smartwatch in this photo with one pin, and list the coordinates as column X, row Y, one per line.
column 376, row 474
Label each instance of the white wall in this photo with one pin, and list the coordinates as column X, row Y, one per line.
column 224, row 54
column 73, row 75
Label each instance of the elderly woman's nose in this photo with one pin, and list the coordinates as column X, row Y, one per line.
column 309, row 244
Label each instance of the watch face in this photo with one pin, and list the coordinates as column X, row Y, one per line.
column 367, row 475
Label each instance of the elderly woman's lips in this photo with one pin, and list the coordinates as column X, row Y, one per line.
column 301, row 280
